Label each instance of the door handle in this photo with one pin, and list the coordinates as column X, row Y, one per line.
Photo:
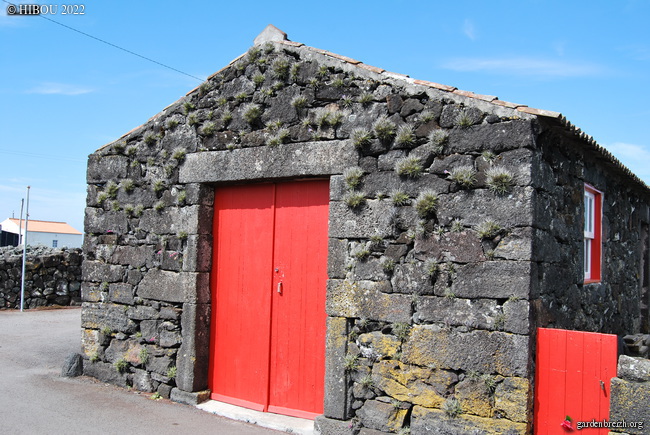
column 280, row 287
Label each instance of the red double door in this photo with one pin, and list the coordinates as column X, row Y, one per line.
column 268, row 296
column 572, row 378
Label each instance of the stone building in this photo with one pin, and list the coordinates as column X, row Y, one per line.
column 309, row 235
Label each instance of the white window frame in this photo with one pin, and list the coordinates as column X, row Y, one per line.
column 590, row 216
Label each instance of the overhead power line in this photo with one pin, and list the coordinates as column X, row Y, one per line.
column 118, row 47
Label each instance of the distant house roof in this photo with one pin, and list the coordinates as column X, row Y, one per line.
column 46, row 227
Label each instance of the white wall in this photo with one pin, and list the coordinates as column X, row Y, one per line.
column 69, row 240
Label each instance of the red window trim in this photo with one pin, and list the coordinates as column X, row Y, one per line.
column 595, row 264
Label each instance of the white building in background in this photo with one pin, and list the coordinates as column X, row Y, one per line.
column 52, row 234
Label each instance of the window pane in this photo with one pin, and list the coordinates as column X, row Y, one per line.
column 589, row 213
column 587, row 256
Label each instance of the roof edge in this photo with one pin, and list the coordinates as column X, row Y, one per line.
column 272, row 34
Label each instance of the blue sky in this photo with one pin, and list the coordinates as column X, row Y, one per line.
column 63, row 94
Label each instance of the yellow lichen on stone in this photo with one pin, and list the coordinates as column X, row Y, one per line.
column 511, row 398
column 364, row 299
column 396, row 419
column 382, row 345
column 336, row 332
column 411, row 384
column 90, row 342
column 414, row 352
column 474, row 397
column 344, row 299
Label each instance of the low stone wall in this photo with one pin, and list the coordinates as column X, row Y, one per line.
column 630, row 396
column 52, row 277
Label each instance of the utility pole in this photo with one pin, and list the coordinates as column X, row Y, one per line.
column 20, row 223
column 22, row 284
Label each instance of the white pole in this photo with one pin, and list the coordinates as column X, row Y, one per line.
column 20, row 223
column 22, row 285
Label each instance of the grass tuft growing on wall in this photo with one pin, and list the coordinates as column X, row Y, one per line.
column 409, row 167
column 499, row 179
column 426, row 203
column 384, row 128
column 465, row 176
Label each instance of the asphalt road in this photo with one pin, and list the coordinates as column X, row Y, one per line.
column 35, row 399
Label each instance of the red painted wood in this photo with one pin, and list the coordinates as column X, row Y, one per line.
column 570, row 368
column 297, row 362
column 574, row 387
column 268, row 347
column 240, row 282
column 542, row 382
column 557, row 380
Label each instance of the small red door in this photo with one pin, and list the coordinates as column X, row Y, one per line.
column 572, row 378
column 268, row 287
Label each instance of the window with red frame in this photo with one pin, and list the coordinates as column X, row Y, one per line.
column 593, row 237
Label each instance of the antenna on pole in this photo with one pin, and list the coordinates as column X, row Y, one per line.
column 22, row 284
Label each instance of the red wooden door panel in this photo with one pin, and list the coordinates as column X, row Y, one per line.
column 240, row 280
column 268, row 283
column 572, row 377
column 300, row 271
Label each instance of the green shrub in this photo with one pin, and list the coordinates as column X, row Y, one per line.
column 499, row 179
column 352, row 177
column 111, row 189
column 121, row 365
column 226, row 117
column 258, row 79
column 405, row 136
column 384, row 128
column 351, row 362
column 400, row 198
column 463, row 119
column 464, row 175
column 179, row 154
column 252, row 113
column 426, row 203
column 409, row 167
column 299, row 102
column 361, row 137
column 366, row 98
column 355, row 199
column 209, row 128
column 188, row 107
column 488, row 229
column 281, row 68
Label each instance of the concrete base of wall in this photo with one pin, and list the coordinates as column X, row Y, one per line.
column 272, row 421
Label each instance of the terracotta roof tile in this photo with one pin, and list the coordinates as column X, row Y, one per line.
column 318, row 50
column 507, row 104
column 371, row 68
column 539, row 112
column 344, row 58
column 434, row 85
column 487, row 98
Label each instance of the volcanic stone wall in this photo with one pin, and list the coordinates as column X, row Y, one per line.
column 630, row 396
column 615, row 304
column 431, row 253
column 52, row 277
